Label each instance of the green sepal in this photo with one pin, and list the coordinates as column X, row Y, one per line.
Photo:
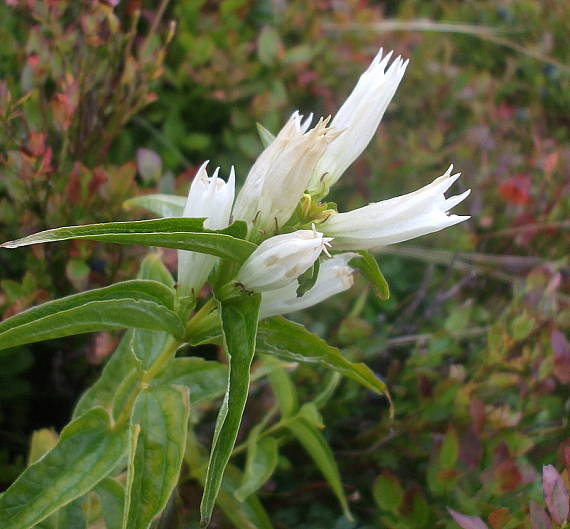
column 370, row 269
column 308, row 278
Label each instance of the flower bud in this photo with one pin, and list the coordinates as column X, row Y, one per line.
column 358, row 119
column 335, row 276
column 280, row 175
column 212, row 198
column 397, row 219
column 281, row 259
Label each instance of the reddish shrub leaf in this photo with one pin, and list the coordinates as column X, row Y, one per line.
column 508, row 475
column 498, row 518
column 467, row 522
column 516, row 190
column 538, row 517
column 561, row 349
column 555, row 494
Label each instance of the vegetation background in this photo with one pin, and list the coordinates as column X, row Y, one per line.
column 104, row 100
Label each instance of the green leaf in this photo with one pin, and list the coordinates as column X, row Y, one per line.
column 42, row 441
column 153, row 268
column 311, row 414
column 292, row 342
column 328, row 388
column 308, row 279
column 265, row 136
column 248, row 514
column 145, row 344
column 71, row 516
column 371, row 271
column 316, row 446
column 387, row 492
column 112, row 496
column 284, row 391
column 260, row 463
column 156, row 457
column 162, row 205
column 88, row 450
column 137, row 303
column 122, row 361
column 449, row 449
column 239, row 315
column 103, row 392
column 268, row 45
column 205, row 379
column 180, row 233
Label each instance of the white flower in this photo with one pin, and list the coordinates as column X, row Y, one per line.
column 281, row 259
column 212, row 198
column 335, row 276
column 358, row 118
column 280, row 175
column 397, row 219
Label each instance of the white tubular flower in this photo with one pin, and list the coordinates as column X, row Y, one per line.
column 281, row 174
column 358, row 118
column 281, row 259
column 212, row 198
column 335, row 276
column 397, row 219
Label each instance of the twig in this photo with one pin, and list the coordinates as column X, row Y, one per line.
column 482, row 32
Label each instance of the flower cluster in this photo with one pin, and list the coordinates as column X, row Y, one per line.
column 298, row 167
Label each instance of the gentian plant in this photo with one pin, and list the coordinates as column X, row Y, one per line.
column 277, row 248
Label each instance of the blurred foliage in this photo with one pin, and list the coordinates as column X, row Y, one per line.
column 474, row 339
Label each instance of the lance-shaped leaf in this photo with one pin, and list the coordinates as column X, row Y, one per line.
column 292, row 342
column 205, row 379
column 161, row 417
column 248, row 514
column 179, row 233
column 88, row 450
column 284, row 390
column 260, row 463
column 138, row 303
column 316, row 446
column 112, row 497
column 123, row 360
column 145, row 344
column 162, row 205
column 370, row 269
column 239, row 315
column 116, row 370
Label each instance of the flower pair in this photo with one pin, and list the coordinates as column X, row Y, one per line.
column 302, row 160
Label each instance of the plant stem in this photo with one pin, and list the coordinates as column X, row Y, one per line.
column 161, row 360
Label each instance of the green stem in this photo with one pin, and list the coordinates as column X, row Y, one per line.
column 146, row 377
column 272, row 429
column 161, row 360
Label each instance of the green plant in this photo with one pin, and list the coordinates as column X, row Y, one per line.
column 268, row 261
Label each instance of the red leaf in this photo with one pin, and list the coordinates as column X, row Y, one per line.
column 538, row 517
column 467, row 522
column 555, row 494
column 508, row 475
column 516, row 190
column 498, row 518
